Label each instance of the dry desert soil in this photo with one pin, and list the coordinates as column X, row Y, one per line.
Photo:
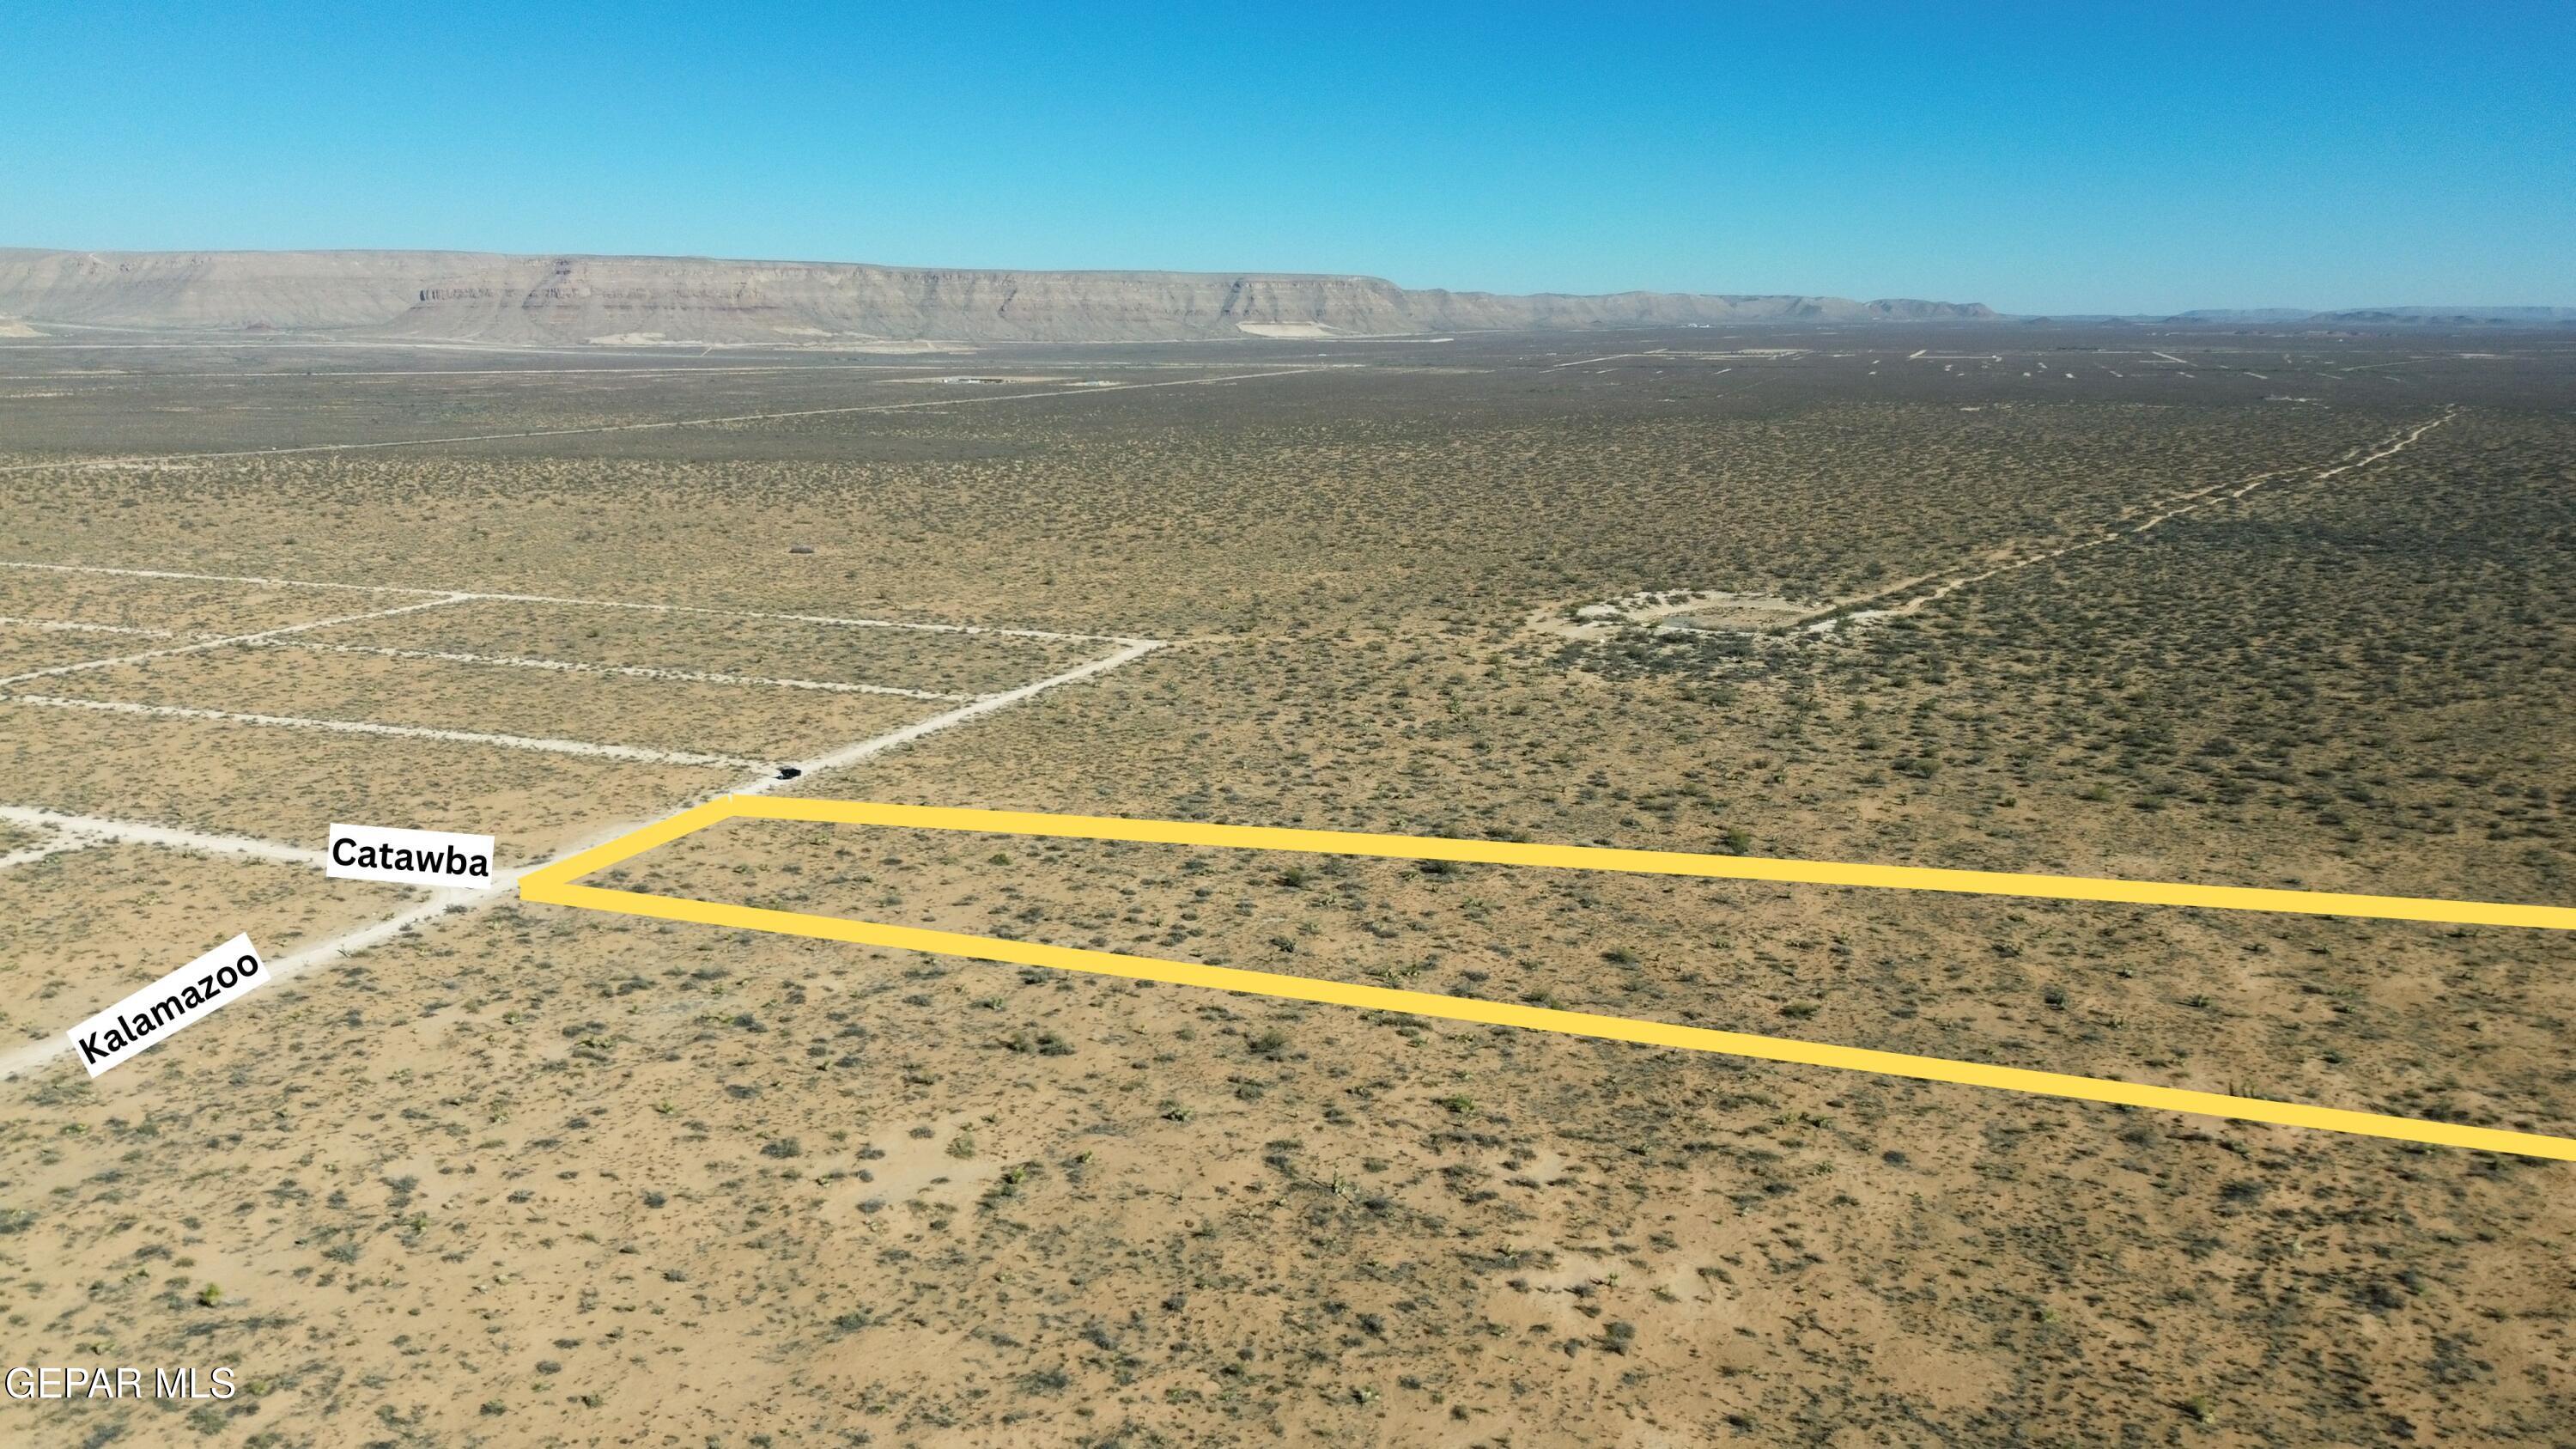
column 2293, row 608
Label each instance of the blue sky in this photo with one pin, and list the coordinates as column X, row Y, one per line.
column 2077, row 156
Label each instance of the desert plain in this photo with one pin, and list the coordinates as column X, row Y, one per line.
column 2290, row 607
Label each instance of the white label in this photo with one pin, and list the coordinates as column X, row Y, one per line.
column 409, row 857
column 182, row 998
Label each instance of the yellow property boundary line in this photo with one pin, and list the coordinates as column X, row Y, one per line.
column 556, row 885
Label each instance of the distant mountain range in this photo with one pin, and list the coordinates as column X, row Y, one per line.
column 488, row 297
column 473, row 296
column 2353, row 317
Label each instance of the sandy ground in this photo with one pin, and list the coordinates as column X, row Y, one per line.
column 528, row 1175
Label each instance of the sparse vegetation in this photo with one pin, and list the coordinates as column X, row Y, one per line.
column 1133, row 1213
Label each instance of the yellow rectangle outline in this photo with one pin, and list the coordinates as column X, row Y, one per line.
column 555, row 885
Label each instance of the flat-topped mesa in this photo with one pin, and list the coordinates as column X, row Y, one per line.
column 485, row 297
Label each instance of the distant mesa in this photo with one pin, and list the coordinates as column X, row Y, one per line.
column 700, row 302
column 2450, row 317
column 2437, row 318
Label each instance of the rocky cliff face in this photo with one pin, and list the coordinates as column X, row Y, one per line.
column 570, row 299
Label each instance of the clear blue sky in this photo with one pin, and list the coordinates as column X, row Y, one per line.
column 2072, row 156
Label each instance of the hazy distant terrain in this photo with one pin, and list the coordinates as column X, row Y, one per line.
column 479, row 296
column 2389, row 316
